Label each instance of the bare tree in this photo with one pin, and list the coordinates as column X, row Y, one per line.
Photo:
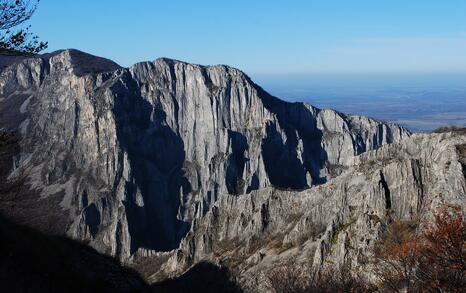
column 292, row 279
column 338, row 280
column 397, row 255
column 288, row 279
column 442, row 265
column 14, row 37
column 431, row 261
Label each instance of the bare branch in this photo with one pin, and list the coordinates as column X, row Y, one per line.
column 14, row 13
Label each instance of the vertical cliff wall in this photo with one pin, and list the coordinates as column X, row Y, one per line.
column 128, row 158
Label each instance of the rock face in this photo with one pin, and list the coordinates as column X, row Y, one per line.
column 167, row 164
column 336, row 223
column 131, row 157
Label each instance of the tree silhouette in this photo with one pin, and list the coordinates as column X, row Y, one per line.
column 13, row 37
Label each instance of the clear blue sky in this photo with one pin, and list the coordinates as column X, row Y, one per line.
column 266, row 37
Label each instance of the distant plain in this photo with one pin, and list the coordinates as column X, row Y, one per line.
column 421, row 103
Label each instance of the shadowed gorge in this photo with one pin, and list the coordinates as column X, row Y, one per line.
column 203, row 277
column 156, row 156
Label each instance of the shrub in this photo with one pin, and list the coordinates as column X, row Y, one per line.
column 433, row 261
column 442, row 264
column 396, row 256
column 288, row 279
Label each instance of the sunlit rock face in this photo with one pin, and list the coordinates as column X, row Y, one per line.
column 146, row 159
column 333, row 224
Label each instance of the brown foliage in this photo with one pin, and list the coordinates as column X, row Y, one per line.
column 434, row 260
column 442, row 264
column 454, row 129
column 397, row 256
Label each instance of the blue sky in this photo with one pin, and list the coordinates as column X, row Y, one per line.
column 266, row 37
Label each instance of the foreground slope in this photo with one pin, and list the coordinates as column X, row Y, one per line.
column 128, row 158
column 34, row 262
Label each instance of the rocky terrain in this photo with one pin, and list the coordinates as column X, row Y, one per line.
column 337, row 223
column 167, row 164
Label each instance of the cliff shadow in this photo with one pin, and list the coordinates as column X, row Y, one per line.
column 236, row 162
column 203, row 277
column 156, row 155
column 285, row 166
column 35, row 262
column 281, row 161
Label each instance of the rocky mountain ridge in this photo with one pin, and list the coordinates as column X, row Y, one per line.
column 138, row 153
column 180, row 163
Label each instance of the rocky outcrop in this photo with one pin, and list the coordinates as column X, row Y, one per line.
column 334, row 224
column 132, row 157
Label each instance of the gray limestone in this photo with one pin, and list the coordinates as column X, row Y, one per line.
column 178, row 160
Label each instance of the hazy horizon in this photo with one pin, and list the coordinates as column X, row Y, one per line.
column 421, row 103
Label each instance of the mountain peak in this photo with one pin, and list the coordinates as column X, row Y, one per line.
column 82, row 63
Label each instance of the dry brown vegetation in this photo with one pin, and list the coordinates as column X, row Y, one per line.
column 287, row 279
column 291, row 279
column 431, row 261
column 406, row 260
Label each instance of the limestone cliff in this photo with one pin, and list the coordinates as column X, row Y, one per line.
column 167, row 164
column 132, row 156
column 334, row 224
